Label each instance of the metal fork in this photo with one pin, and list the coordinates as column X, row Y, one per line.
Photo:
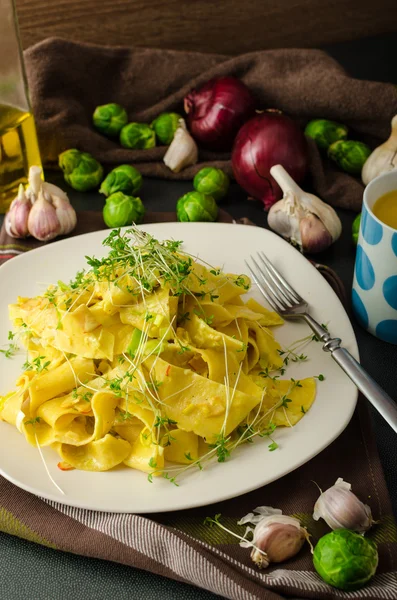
column 289, row 304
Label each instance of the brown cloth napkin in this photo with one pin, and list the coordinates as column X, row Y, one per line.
column 178, row 545
column 68, row 80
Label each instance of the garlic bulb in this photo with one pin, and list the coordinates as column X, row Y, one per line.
column 302, row 218
column 383, row 158
column 183, row 150
column 42, row 210
column 276, row 537
column 341, row 509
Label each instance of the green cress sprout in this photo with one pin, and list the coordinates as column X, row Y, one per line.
column 325, row 133
column 80, row 170
column 165, row 126
column 138, row 136
column 349, row 155
column 345, row 559
column 212, row 181
column 109, row 119
column 195, row 206
column 124, row 178
column 121, row 210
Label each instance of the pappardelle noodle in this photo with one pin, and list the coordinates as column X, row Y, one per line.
column 149, row 359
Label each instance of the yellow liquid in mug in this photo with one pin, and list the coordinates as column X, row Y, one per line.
column 19, row 150
column 385, row 208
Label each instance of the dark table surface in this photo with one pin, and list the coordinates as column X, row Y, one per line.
column 30, row 571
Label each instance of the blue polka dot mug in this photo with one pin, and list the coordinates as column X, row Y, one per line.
column 374, row 295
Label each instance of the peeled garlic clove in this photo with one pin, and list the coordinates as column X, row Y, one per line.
column 43, row 222
column 65, row 213
column 16, row 221
column 341, row 509
column 315, row 237
column 276, row 537
column 383, row 158
column 183, row 150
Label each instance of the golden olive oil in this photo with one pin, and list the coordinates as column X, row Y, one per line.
column 19, row 150
column 385, row 208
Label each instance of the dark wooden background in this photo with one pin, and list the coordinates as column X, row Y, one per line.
column 221, row 26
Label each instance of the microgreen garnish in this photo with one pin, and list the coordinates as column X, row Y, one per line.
column 221, row 447
column 10, row 351
column 33, row 421
column 160, row 421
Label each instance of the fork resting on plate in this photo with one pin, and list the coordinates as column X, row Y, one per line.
column 289, row 304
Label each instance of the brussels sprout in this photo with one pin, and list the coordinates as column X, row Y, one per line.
column 349, row 156
column 137, row 135
column 345, row 559
column 80, row 170
column 110, row 119
column 124, row 178
column 212, row 181
column 165, row 126
column 356, row 229
column 325, row 133
column 195, row 206
column 121, row 210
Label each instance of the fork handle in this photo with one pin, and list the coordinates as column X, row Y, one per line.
column 364, row 382
column 368, row 386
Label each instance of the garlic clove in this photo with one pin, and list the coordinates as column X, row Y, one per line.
column 54, row 190
column 276, row 537
column 16, row 222
column 65, row 213
column 315, row 237
column 341, row 509
column 279, row 542
column 43, row 222
column 7, row 226
column 183, row 150
column 383, row 158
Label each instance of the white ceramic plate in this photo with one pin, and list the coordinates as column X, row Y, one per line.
column 252, row 465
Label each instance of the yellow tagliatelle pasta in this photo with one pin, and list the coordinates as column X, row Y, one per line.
column 149, row 359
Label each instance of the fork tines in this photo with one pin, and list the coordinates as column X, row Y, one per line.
column 272, row 285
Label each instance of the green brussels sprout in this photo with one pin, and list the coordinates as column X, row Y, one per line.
column 110, row 119
column 349, row 156
column 196, row 206
column 121, row 210
column 212, row 181
column 165, row 126
column 80, row 170
column 124, row 178
column 325, row 133
column 356, row 229
column 138, row 136
column 345, row 559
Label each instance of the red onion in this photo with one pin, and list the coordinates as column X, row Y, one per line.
column 217, row 110
column 268, row 139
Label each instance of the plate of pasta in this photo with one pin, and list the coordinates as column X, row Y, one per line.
column 141, row 371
